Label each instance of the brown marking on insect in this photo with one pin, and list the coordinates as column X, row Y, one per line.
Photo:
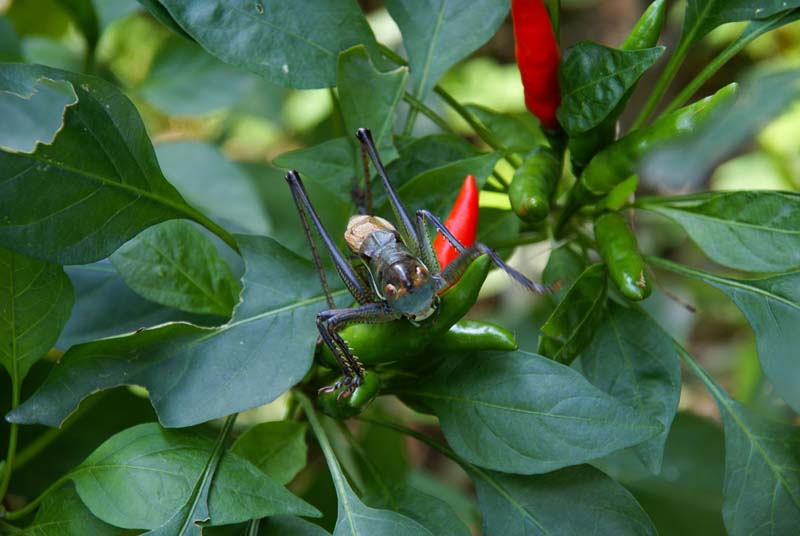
column 641, row 283
column 361, row 226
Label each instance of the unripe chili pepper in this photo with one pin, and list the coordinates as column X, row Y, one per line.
column 534, row 185
column 348, row 406
column 538, row 57
column 404, row 343
column 462, row 222
column 644, row 35
column 620, row 251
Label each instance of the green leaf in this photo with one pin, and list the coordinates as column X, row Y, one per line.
column 438, row 34
column 82, row 12
column 368, row 98
column 35, row 302
column 286, row 525
column 690, row 160
column 564, row 267
column 575, row 500
column 10, row 48
column 431, row 512
column 762, row 471
column 702, row 16
column 277, row 448
column 105, row 306
column 354, row 518
column 36, row 117
column 594, row 81
column 176, row 265
column 437, row 189
column 517, row 132
column 185, row 80
column 195, row 374
column 418, row 155
column 571, row 327
column 148, row 458
column 330, row 164
column 748, row 230
column 163, row 16
column 63, row 514
column 772, row 306
column 95, row 187
column 523, row 413
column 214, row 184
column 290, row 43
column 633, row 360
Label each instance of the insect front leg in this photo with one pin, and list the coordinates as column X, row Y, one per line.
column 332, row 321
column 467, row 255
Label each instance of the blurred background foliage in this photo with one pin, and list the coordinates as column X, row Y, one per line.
column 217, row 129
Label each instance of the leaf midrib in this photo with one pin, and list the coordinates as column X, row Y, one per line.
column 719, row 221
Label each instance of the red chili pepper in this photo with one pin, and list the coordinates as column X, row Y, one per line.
column 537, row 58
column 462, row 222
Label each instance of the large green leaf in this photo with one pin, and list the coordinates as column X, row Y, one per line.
column 217, row 186
column 762, row 468
column 277, row 448
column 142, row 476
column 176, row 265
column 430, row 511
column 633, row 360
column 523, row 413
column 36, row 117
column 772, row 306
column 97, row 185
column 35, row 302
column 702, row 16
column 689, row 160
column 748, row 230
column 294, row 44
column 368, row 98
column 571, row 327
column 194, row 374
column 63, row 514
column 437, row 189
column 575, row 500
column 594, row 81
column 354, row 518
column 330, row 164
column 185, row 80
column 438, row 34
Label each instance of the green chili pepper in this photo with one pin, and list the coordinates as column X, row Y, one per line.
column 534, row 185
column 472, row 335
column 620, row 251
column 402, row 342
column 348, row 406
column 644, row 35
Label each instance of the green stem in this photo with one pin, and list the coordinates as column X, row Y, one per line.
column 253, row 526
column 418, row 436
column 324, row 445
column 12, row 436
column 359, row 450
column 34, row 504
column 224, row 235
column 9, row 528
column 418, row 105
column 674, row 64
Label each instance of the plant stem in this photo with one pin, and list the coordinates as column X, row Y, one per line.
column 31, row 506
column 253, row 526
column 674, row 64
column 224, row 235
column 12, row 435
column 418, row 105
column 324, row 445
column 359, row 450
column 418, row 436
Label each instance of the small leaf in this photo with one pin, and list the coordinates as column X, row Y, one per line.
column 330, row 164
column 523, row 413
column 438, row 34
column 689, row 160
column 575, row 500
column 595, row 79
column 176, row 265
column 564, row 267
column 748, row 230
column 368, row 98
column 517, row 132
column 762, row 471
column 186, row 80
column 63, row 514
column 35, row 302
column 214, row 184
column 702, row 16
column 95, row 187
column 277, row 448
column 633, row 360
column 432, row 512
column 772, row 306
column 287, row 525
column 289, row 43
column 147, row 457
column 572, row 325
column 195, row 374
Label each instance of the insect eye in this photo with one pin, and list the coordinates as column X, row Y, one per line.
column 390, row 290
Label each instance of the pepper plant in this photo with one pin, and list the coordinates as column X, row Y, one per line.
column 158, row 295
